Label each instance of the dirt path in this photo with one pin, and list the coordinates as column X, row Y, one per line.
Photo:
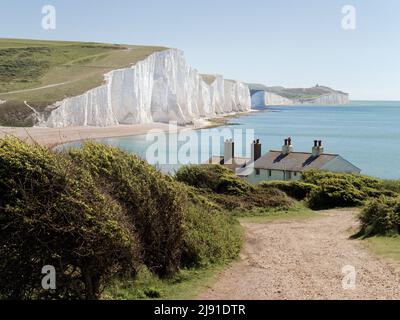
column 38, row 88
column 304, row 259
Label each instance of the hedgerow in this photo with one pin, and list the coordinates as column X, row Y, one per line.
column 332, row 193
column 211, row 234
column 296, row 189
column 342, row 189
column 51, row 213
column 97, row 213
column 152, row 201
column 223, row 187
column 215, row 178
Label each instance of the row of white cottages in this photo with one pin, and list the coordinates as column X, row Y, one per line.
column 281, row 165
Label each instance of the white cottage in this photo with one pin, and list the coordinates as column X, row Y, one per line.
column 282, row 165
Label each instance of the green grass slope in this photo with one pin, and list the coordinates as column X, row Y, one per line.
column 43, row 72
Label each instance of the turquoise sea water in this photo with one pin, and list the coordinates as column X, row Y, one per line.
column 365, row 133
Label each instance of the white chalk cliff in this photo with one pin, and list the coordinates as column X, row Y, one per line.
column 263, row 99
column 161, row 88
column 333, row 98
column 273, row 99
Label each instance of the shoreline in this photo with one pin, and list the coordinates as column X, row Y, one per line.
column 53, row 137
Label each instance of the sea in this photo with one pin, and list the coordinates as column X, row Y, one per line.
column 366, row 133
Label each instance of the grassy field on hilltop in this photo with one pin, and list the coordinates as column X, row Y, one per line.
column 43, row 72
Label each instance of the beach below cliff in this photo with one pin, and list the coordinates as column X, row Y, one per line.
column 52, row 137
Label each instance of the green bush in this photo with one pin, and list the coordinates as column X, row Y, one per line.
column 98, row 213
column 358, row 181
column 390, row 185
column 222, row 186
column 376, row 193
column 216, row 178
column 154, row 203
column 380, row 217
column 342, row 189
column 259, row 198
column 371, row 187
column 295, row 189
column 332, row 193
column 211, row 236
column 51, row 213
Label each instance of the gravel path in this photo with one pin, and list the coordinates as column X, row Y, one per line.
column 304, row 259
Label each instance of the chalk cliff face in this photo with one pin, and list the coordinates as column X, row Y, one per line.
column 161, row 88
column 333, row 98
column 274, row 99
column 262, row 96
column 263, row 99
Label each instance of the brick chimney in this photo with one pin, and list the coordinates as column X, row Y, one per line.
column 317, row 150
column 287, row 147
column 229, row 151
column 255, row 150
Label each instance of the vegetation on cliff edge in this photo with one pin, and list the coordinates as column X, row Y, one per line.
column 98, row 214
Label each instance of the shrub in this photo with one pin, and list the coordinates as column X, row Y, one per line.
column 358, row 181
column 333, row 193
column 295, row 189
column 213, row 177
column 390, row 185
column 342, row 189
column 380, row 217
column 376, row 193
column 267, row 198
column 152, row 200
column 223, row 187
column 51, row 213
column 371, row 187
column 152, row 293
column 211, row 236
column 259, row 198
column 95, row 213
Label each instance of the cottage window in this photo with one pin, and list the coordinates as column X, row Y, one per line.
column 269, row 173
column 257, row 172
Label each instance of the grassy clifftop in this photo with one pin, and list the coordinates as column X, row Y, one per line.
column 43, row 72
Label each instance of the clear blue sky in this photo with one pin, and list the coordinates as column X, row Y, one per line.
column 276, row 42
